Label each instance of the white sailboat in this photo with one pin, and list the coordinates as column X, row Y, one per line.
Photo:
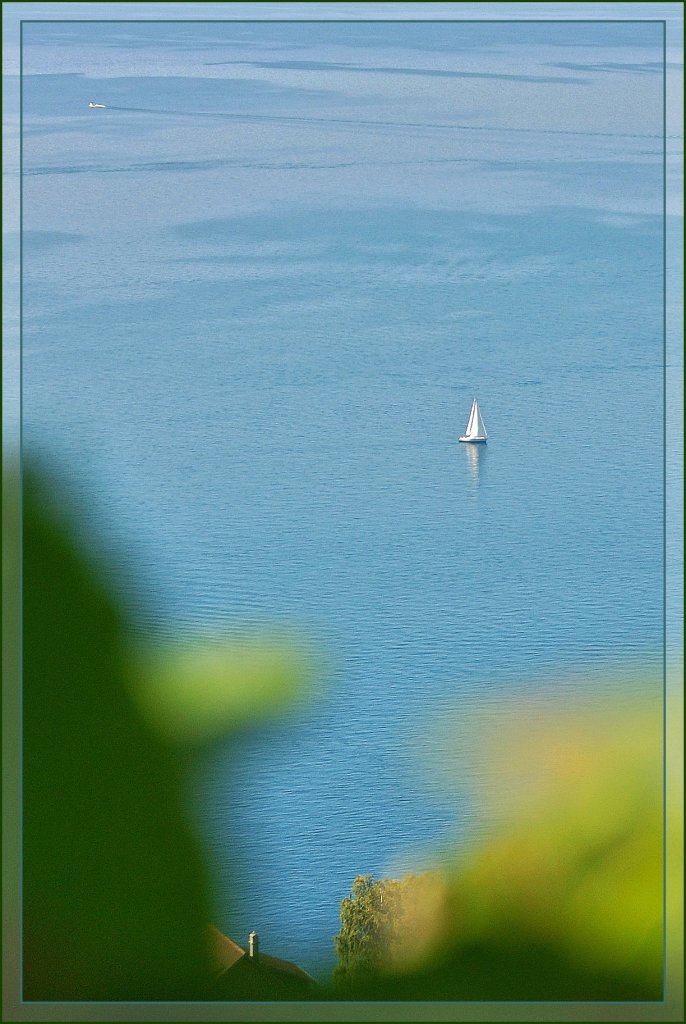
column 476, row 430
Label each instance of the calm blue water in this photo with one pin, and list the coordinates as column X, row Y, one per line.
column 260, row 291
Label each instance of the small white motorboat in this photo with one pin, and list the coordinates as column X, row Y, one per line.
column 100, row 105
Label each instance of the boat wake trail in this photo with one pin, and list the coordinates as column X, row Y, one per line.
column 303, row 121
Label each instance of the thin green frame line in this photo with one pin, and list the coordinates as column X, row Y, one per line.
column 372, row 21
column 664, row 510
column 20, row 467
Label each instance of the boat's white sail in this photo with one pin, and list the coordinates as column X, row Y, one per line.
column 478, row 425
column 476, row 429
column 470, row 422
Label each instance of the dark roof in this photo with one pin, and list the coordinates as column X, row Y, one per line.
column 225, row 954
column 285, row 967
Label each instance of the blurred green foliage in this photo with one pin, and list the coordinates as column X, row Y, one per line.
column 563, row 900
column 196, row 692
column 115, row 899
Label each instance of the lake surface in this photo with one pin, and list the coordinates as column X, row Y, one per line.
column 260, row 291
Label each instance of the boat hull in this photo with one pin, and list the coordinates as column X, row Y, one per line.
column 473, row 440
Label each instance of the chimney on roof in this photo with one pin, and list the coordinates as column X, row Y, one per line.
column 253, row 946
